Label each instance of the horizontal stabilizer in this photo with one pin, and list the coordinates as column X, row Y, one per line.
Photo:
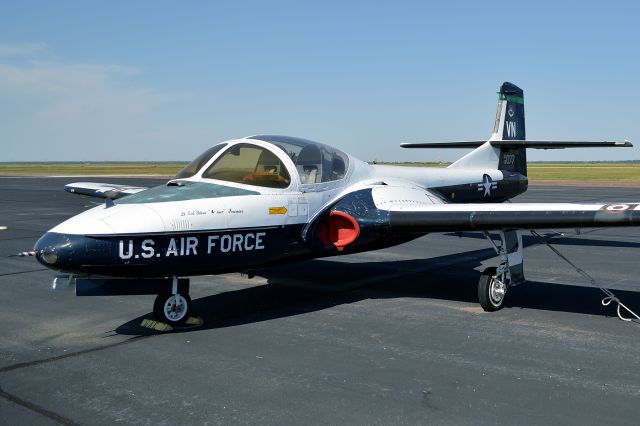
column 539, row 144
column 563, row 144
column 458, row 144
column 102, row 190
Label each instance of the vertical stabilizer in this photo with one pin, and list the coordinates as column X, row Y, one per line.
column 508, row 125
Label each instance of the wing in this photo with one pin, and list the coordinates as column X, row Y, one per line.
column 378, row 216
column 484, row 217
column 102, row 190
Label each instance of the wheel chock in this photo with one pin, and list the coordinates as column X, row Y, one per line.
column 156, row 325
column 164, row 327
column 194, row 322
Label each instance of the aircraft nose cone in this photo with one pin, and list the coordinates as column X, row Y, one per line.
column 53, row 250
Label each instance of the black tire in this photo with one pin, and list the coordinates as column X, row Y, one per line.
column 172, row 309
column 488, row 303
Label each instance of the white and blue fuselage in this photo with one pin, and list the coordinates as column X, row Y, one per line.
column 218, row 220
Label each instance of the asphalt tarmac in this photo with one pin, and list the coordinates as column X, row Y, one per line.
column 388, row 337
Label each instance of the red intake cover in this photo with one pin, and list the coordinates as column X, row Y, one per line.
column 339, row 229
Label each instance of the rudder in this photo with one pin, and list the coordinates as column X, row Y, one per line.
column 510, row 125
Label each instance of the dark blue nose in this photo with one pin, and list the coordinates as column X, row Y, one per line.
column 54, row 250
column 75, row 253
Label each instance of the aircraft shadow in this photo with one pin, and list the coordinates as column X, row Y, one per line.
column 329, row 283
column 557, row 240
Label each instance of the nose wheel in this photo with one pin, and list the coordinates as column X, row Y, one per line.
column 173, row 309
column 492, row 289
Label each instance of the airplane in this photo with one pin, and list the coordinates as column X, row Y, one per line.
column 265, row 200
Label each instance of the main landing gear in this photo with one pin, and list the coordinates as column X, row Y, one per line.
column 492, row 289
column 494, row 282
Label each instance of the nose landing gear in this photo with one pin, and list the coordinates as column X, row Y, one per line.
column 173, row 309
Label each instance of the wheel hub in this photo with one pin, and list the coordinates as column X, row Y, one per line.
column 175, row 307
column 497, row 290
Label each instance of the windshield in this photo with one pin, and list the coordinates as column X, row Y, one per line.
column 182, row 191
column 202, row 159
column 250, row 165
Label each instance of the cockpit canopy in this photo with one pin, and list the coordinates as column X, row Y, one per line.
column 315, row 162
column 250, row 164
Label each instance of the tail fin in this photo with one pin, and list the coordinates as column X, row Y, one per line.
column 509, row 126
column 506, row 149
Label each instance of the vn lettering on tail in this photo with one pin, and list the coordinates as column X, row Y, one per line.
column 511, row 129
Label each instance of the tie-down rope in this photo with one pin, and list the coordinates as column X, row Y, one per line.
column 609, row 296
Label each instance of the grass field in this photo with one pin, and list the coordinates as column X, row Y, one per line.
column 584, row 171
column 52, row 169
column 537, row 171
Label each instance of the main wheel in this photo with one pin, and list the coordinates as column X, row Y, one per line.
column 491, row 291
column 173, row 309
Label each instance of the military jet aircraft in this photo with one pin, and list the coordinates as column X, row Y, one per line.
column 265, row 200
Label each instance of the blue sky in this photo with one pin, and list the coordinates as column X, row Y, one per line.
column 152, row 80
